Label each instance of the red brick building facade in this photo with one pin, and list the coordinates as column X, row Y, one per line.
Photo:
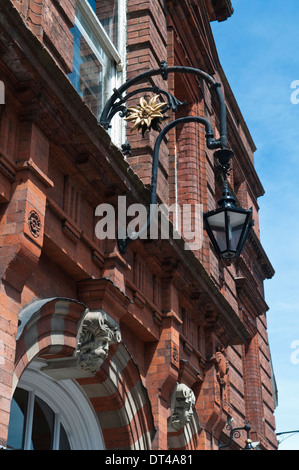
column 180, row 325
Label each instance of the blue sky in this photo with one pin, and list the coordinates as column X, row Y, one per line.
column 258, row 50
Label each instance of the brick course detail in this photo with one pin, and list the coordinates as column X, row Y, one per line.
column 176, row 309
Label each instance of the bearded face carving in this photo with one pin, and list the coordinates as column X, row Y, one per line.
column 96, row 333
column 95, row 336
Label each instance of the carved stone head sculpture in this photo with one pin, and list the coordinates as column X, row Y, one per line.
column 182, row 403
column 96, row 333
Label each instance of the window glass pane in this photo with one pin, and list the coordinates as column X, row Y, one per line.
column 43, row 426
column 75, row 75
column 17, row 419
column 92, row 3
column 63, row 441
column 93, row 71
column 87, row 75
column 107, row 13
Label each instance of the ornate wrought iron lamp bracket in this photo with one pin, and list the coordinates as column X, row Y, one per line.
column 117, row 104
column 236, row 433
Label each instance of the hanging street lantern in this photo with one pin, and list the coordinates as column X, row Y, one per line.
column 228, row 226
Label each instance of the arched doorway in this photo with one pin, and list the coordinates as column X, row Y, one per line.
column 50, row 415
column 114, row 396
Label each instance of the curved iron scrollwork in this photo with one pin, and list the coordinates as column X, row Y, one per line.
column 236, row 434
column 120, row 105
column 124, row 241
column 117, row 104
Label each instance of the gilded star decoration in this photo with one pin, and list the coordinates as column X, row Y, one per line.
column 146, row 115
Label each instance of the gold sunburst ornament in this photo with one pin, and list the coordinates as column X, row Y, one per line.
column 146, row 115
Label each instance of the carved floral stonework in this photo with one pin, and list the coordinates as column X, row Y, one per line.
column 182, row 403
column 34, row 223
column 96, row 333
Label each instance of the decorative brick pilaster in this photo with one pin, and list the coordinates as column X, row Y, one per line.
column 164, row 366
column 22, row 222
column 253, row 388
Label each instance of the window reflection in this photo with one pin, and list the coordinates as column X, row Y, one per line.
column 43, row 426
column 32, row 424
column 17, row 419
column 63, row 440
column 107, row 13
column 96, row 54
column 87, row 75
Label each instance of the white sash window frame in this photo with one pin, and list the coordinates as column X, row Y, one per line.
column 111, row 58
column 71, row 407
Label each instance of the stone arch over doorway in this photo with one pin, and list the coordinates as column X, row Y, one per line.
column 48, row 329
column 121, row 402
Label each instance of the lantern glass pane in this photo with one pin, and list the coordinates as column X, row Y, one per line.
column 236, row 222
column 228, row 229
column 217, row 225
